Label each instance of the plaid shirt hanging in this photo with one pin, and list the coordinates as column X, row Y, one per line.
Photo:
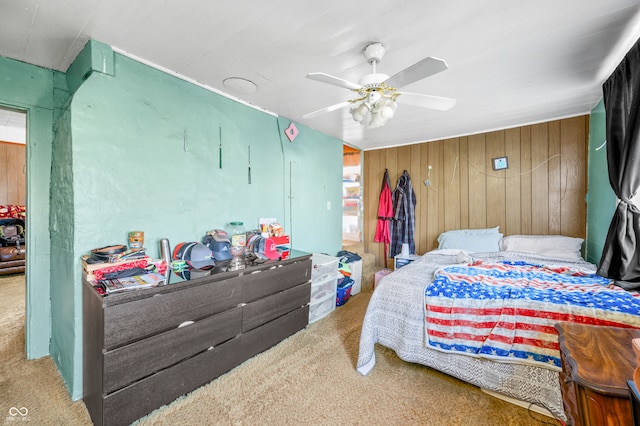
column 404, row 216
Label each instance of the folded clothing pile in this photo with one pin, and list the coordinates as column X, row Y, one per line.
column 345, row 284
column 344, row 290
column 116, row 268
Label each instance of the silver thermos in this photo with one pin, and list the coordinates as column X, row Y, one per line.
column 165, row 255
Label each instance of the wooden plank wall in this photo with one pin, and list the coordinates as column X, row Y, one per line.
column 543, row 192
column 13, row 188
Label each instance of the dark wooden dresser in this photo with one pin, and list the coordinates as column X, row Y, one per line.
column 145, row 348
column 596, row 364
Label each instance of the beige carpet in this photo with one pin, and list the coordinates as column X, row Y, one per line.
column 35, row 387
column 309, row 378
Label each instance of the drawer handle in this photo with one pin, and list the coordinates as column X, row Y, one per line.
column 186, row 323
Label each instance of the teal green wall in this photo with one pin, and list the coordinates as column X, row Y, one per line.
column 65, row 311
column 42, row 94
column 133, row 128
column 139, row 150
column 601, row 200
column 313, row 190
column 66, row 307
column 94, row 57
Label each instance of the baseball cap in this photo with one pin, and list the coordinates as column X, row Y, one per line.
column 221, row 250
column 199, row 256
column 253, row 242
column 220, row 235
column 268, row 248
column 179, row 250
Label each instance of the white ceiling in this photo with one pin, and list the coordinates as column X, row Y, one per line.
column 510, row 62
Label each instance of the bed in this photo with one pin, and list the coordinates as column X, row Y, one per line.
column 400, row 316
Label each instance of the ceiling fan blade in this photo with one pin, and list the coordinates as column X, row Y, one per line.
column 329, row 79
column 426, row 101
column 326, row 109
column 422, row 69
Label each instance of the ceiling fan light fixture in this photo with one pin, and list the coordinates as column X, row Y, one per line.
column 378, row 93
column 374, row 111
column 376, row 121
column 386, row 108
column 361, row 113
column 381, row 112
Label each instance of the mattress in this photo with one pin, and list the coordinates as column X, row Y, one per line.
column 395, row 319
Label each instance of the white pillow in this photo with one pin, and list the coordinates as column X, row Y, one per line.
column 479, row 231
column 549, row 245
column 472, row 240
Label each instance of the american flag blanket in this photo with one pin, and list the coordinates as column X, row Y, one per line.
column 507, row 310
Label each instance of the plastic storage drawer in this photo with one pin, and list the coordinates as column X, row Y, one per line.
column 323, row 267
column 323, row 289
column 324, row 285
column 321, row 308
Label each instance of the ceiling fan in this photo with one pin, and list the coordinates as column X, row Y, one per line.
column 378, row 93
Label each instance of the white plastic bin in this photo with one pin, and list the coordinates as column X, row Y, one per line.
column 322, row 289
column 324, row 286
column 356, row 276
column 321, row 308
column 323, row 266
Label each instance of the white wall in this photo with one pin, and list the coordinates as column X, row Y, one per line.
column 13, row 126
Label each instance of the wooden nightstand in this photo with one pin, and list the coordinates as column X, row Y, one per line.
column 596, row 364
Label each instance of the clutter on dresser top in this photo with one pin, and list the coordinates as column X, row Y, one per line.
column 118, row 268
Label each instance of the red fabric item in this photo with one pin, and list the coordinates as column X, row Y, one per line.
column 99, row 273
column 12, row 211
column 385, row 214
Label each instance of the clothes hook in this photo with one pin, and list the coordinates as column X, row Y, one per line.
column 185, row 145
column 427, row 181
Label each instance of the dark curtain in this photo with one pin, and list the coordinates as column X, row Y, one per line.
column 620, row 256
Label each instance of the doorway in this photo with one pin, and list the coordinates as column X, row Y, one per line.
column 13, row 167
column 13, row 196
column 351, row 195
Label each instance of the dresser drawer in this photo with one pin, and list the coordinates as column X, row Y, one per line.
column 128, row 404
column 129, row 363
column 264, row 310
column 270, row 281
column 270, row 334
column 138, row 319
